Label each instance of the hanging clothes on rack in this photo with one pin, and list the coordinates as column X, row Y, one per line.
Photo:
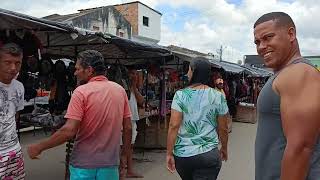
column 59, row 97
column 119, row 74
column 45, row 73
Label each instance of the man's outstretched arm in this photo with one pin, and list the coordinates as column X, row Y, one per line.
column 67, row 132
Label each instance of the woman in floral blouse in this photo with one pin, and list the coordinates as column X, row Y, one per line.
column 198, row 124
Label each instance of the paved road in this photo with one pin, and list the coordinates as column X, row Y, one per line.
column 240, row 165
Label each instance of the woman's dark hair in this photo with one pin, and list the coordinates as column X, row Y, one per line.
column 201, row 71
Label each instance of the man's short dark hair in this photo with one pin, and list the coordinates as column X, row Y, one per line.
column 281, row 19
column 12, row 49
column 93, row 59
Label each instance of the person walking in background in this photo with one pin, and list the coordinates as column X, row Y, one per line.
column 287, row 143
column 135, row 99
column 96, row 113
column 219, row 86
column 198, row 123
column 11, row 101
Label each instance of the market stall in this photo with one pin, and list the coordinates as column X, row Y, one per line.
column 48, row 67
column 243, row 86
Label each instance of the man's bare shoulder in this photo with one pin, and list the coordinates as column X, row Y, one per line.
column 297, row 76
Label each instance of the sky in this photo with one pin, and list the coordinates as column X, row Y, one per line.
column 203, row 25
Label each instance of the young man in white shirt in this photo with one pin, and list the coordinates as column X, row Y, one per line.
column 11, row 101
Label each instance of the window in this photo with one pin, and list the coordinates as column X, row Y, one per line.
column 145, row 21
column 120, row 32
column 95, row 28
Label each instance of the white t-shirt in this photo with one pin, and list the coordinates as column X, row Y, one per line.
column 134, row 107
column 11, row 101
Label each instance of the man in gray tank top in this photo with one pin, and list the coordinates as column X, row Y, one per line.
column 287, row 142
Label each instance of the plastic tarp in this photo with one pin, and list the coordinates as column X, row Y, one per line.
column 236, row 68
column 66, row 40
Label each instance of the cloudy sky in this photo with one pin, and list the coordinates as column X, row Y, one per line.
column 203, row 25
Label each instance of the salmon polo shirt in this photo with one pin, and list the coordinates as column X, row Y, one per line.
column 100, row 106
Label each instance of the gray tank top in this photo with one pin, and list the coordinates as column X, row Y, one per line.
column 270, row 140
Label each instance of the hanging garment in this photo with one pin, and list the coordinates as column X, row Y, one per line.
column 46, row 73
column 59, row 97
column 163, row 103
column 72, row 80
column 45, row 67
column 121, row 77
column 31, row 83
column 31, row 44
column 32, row 63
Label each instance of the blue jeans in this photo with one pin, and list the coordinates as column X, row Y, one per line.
column 204, row 166
column 110, row 173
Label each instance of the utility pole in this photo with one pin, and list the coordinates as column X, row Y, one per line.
column 220, row 52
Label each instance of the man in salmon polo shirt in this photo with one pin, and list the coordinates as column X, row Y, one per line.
column 94, row 119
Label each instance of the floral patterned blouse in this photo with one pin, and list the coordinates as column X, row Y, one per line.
column 200, row 109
